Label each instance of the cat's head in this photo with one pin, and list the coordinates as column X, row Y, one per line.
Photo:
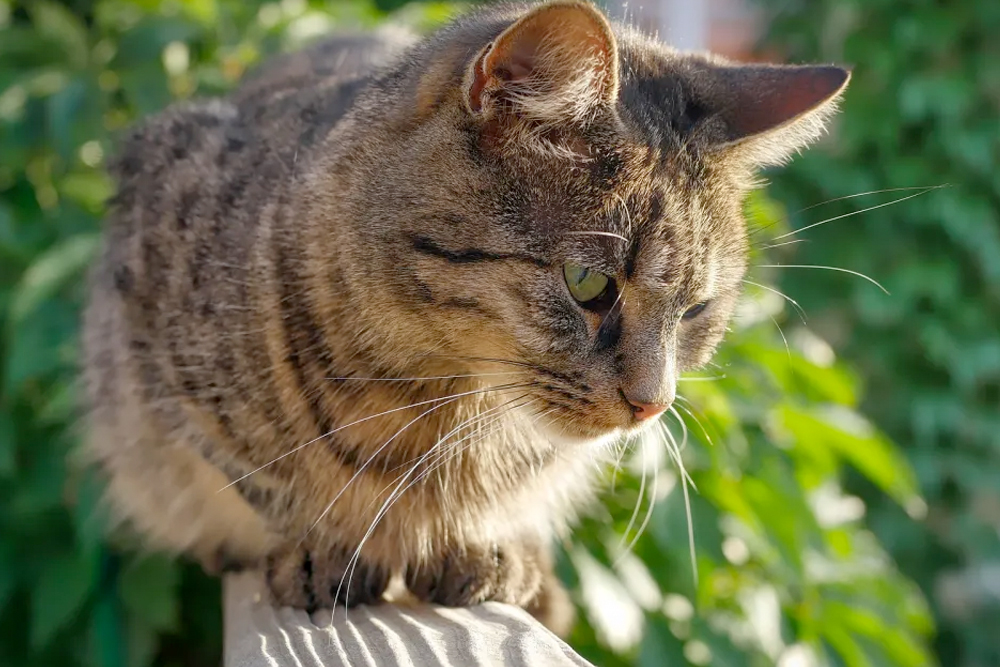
column 565, row 196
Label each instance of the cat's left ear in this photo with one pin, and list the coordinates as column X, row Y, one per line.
column 769, row 112
column 557, row 63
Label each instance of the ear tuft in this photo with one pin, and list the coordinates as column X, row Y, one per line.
column 559, row 62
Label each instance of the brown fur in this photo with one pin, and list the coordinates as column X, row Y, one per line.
column 367, row 210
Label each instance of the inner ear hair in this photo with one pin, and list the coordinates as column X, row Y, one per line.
column 558, row 62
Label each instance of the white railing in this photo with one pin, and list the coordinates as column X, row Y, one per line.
column 388, row 635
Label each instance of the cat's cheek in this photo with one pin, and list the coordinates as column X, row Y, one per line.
column 699, row 346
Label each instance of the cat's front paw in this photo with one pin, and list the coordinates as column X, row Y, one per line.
column 312, row 579
column 469, row 575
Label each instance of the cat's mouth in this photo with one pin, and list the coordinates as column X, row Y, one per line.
column 588, row 419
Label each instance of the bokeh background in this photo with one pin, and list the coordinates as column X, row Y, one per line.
column 844, row 449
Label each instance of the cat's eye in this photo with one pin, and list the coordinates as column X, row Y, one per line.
column 586, row 286
column 695, row 310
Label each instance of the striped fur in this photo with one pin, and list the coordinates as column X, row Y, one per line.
column 274, row 259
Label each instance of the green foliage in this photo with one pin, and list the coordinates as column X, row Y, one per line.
column 783, row 556
column 785, row 563
column 921, row 111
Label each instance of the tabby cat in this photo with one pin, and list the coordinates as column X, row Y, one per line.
column 375, row 315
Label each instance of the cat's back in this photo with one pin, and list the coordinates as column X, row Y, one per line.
column 279, row 113
column 196, row 177
column 193, row 186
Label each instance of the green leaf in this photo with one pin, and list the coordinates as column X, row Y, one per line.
column 142, row 643
column 9, row 575
column 850, row 437
column 37, row 347
column 90, row 510
column 50, row 272
column 148, row 588
column 61, row 107
column 8, row 445
column 57, row 23
column 660, row 648
column 92, row 189
column 60, row 593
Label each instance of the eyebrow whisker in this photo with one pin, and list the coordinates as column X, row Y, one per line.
column 611, row 234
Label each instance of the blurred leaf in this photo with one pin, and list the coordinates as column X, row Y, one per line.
column 58, row 24
column 148, row 587
column 142, row 642
column 854, row 440
column 91, row 189
column 50, row 271
column 8, row 575
column 659, row 647
column 34, row 348
column 59, row 594
column 142, row 46
column 8, row 445
column 62, row 106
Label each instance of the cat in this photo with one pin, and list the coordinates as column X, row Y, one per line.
column 375, row 315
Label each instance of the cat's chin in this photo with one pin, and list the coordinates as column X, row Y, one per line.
column 567, row 437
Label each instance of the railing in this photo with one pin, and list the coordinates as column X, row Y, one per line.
column 389, row 635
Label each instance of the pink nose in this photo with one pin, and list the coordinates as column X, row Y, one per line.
column 644, row 411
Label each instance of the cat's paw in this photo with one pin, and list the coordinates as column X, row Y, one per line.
column 313, row 579
column 222, row 560
column 465, row 576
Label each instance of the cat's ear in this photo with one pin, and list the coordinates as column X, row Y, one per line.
column 768, row 112
column 559, row 62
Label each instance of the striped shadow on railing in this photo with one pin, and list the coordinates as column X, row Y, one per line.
column 388, row 635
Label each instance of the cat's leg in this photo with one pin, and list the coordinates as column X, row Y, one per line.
column 514, row 573
column 308, row 576
column 178, row 501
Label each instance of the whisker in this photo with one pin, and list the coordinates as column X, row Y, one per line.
column 690, row 412
column 645, row 519
column 386, row 506
column 864, row 210
column 622, row 447
column 784, row 340
column 828, row 268
column 771, row 246
column 675, row 454
column 611, row 234
column 378, row 451
column 520, row 364
column 684, row 428
column 370, row 417
column 462, row 425
column 628, row 215
column 621, row 294
column 925, row 188
column 441, row 460
column 418, row 379
column 638, row 502
column 793, row 302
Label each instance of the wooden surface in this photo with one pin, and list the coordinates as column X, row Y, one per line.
column 387, row 635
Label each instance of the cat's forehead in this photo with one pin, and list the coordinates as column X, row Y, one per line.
column 664, row 227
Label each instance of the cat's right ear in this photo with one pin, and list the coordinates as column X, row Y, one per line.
column 557, row 63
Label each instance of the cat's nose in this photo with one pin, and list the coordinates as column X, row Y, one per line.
column 645, row 411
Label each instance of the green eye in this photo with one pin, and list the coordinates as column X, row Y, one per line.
column 585, row 285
